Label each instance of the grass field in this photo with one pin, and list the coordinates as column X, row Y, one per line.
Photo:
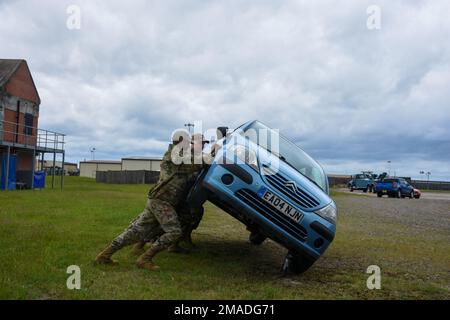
column 43, row 232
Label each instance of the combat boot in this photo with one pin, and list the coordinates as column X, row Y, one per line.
column 175, row 248
column 138, row 249
column 145, row 261
column 104, row 257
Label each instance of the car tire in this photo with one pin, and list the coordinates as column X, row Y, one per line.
column 399, row 194
column 256, row 238
column 295, row 263
column 411, row 195
column 351, row 189
column 365, row 190
column 379, row 194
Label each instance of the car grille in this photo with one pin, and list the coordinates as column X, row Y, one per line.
column 299, row 196
column 276, row 217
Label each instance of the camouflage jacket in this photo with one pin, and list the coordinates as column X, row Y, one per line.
column 174, row 180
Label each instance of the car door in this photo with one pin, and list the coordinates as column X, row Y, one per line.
column 409, row 187
column 359, row 182
column 404, row 186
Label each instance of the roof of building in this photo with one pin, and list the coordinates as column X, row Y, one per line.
column 7, row 68
column 338, row 175
column 102, row 161
column 143, row 158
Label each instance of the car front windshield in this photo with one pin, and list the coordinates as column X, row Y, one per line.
column 287, row 151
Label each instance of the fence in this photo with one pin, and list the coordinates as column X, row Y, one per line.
column 338, row 181
column 19, row 134
column 127, row 177
column 431, row 185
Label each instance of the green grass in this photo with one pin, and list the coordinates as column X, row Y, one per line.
column 43, row 232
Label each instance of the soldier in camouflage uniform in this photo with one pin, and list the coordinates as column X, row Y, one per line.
column 189, row 216
column 159, row 220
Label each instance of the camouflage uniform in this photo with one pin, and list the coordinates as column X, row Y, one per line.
column 159, row 220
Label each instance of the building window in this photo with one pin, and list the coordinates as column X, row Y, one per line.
column 28, row 130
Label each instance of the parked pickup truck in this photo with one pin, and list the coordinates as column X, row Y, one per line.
column 275, row 189
column 394, row 188
column 362, row 181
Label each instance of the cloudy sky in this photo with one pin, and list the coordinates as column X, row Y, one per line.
column 353, row 97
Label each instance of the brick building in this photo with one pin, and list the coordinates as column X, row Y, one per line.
column 20, row 139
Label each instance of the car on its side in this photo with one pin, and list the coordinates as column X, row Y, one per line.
column 275, row 189
column 361, row 181
column 394, row 188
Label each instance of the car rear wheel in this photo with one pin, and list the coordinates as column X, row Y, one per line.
column 365, row 190
column 256, row 238
column 295, row 263
column 379, row 194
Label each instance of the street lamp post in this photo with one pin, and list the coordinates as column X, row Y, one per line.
column 93, row 153
column 189, row 125
column 389, row 167
column 428, row 174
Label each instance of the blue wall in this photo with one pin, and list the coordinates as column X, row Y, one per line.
column 11, row 185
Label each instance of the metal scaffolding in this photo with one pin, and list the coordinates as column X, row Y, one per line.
column 16, row 137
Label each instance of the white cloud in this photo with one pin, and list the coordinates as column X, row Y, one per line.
column 352, row 97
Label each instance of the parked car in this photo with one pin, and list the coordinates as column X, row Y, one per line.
column 394, row 188
column 362, row 181
column 417, row 193
column 278, row 194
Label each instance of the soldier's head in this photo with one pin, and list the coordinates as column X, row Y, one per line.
column 198, row 142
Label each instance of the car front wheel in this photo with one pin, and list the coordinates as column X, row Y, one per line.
column 256, row 238
column 399, row 193
column 296, row 263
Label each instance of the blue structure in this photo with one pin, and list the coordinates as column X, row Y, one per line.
column 6, row 162
column 39, row 180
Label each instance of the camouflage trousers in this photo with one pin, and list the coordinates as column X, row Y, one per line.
column 158, row 221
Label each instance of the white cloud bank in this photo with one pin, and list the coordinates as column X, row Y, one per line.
column 352, row 97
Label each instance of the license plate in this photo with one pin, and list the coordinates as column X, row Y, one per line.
column 279, row 204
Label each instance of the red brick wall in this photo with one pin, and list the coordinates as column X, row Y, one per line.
column 9, row 128
column 21, row 85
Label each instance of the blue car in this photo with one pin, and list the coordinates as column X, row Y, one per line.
column 394, row 188
column 275, row 189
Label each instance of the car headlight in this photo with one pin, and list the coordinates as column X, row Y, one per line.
column 245, row 155
column 329, row 212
